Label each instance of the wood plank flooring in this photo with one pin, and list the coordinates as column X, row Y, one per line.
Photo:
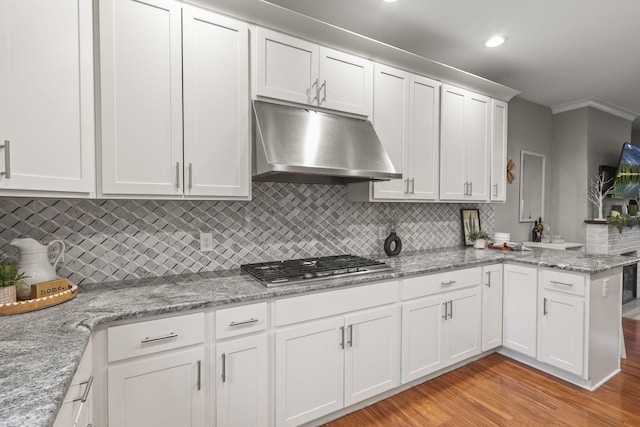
column 497, row 391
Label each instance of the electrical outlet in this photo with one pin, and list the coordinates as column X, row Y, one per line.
column 206, row 242
column 605, row 287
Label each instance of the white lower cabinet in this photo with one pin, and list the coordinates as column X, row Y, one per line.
column 491, row 307
column 77, row 407
column 562, row 331
column 156, row 373
column 241, row 393
column 442, row 328
column 520, row 309
column 241, row 366
column 164, row 390
column 323, row 365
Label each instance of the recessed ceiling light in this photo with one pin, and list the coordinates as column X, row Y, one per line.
column 495, row 41
column 390, row 1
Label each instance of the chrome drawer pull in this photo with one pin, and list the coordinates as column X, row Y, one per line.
column 243, row 322
column 224, row 367
column 163, row 337
column 199, row 382
column 449, row 283
column 85, row 395
column 446, row 307
column 563, row 284
column 7, row 159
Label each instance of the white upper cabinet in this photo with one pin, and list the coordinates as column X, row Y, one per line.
column 154, row 53
column 141, row 76
column 499, row 114
column 406, row 117
column 216, row 105
column 391, row 122
column 423, row 155
column 295, row 70
column 46, row 98
column 465, row 134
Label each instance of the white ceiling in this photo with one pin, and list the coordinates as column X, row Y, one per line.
column 558, row 52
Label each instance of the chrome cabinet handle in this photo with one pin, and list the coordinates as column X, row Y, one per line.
column 7, row 159
column 224, row 367
column 445, row 310
column 488, row 284
column 451, row 309
column 413, row 186
column 406, row 182
column 449, row 283
column 350, row 342
column 496, row 192
column 342, row 335
column 199, row 382
column 470, row 188
column 561, row 283
column 85, row 395
column 190, row 176
column 315, row 98
column 545, row 310
column 177, row 174
column 160, row 338
column 324, row 88
column 243, row 322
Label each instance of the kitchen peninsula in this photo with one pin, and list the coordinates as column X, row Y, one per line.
column 39, row 362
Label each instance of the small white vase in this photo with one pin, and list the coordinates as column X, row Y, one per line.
column 479, row 243
column 8, row 294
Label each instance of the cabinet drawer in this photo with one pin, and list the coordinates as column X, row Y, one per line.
column 245, row 319
column 563, row 282
column 153, row 336
column 414, row 287
column 316, row 306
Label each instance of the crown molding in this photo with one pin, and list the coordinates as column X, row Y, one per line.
column 597, row 104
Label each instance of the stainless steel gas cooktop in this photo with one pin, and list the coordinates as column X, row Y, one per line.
column 293, row 271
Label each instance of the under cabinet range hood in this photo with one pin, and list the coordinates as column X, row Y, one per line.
column 298, row 145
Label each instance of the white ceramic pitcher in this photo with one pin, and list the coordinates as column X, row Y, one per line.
column 34, row 260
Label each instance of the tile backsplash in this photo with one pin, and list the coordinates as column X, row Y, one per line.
column 127, row 239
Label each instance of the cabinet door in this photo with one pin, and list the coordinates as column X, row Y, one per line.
column 422, row 337
column 346, row 82
column 372, row 363
column 216, row 105
column 46, row 96
column 309, row 371
column 453, row 180
column 492, row 307
column 498, row 150
column 562, row 331
column 520, row 309
column 141, row 77
column 287, row 67
column 462, row 328
column 477, row 132
column 242, row 396
column 77, row 406
column 158, row 391
column 423, row 157
column 390, row 120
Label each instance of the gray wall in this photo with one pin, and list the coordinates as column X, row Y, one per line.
column 569, row 174
column 529, row 129
column 635, row 137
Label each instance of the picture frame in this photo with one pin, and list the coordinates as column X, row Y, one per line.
column 465, row 216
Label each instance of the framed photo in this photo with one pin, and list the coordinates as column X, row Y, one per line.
column 470, row 219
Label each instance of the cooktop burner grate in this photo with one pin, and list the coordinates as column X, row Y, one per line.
column 301, row 270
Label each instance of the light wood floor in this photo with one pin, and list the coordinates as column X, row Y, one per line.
column 498, row 391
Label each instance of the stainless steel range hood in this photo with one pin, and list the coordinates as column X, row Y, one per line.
column 298, row 145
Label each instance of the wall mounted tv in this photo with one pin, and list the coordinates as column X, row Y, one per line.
column 627, row 183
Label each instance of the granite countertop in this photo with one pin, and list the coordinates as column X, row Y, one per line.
column 41, row 350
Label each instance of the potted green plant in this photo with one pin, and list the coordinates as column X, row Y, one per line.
column 9, row 278
column 477, row 236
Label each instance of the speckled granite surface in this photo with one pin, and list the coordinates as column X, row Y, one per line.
column 40, row 351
